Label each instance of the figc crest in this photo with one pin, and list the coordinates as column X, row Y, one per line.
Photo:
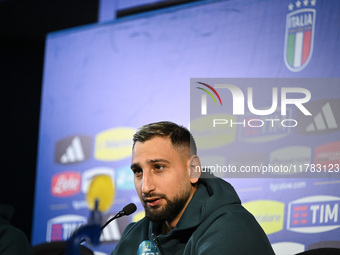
column 299, row 34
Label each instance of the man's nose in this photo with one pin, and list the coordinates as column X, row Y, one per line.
column 148, row 184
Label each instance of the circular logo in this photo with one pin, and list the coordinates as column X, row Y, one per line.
column 147, row 247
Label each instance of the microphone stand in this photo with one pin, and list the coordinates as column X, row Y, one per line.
column 91, row 231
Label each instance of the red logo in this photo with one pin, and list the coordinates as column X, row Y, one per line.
column 327, row 154
column 65, row 184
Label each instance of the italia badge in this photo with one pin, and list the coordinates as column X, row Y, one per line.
column 299, row 34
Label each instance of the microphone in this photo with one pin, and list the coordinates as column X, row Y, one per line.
column 99, row 198
column 127, row 210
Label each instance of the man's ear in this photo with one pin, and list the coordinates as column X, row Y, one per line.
column 195, row 169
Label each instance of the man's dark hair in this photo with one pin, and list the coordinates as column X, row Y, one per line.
column 179, row 135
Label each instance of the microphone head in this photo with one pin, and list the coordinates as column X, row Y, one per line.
column 129, row 209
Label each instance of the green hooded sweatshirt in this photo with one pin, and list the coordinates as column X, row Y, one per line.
column 214, row 222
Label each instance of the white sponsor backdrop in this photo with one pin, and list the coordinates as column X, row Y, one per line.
column 101, row 82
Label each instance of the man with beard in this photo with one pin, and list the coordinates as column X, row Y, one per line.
column 186, row 212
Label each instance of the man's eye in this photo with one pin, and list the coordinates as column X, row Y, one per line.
column 159, row 167
column 137, row 171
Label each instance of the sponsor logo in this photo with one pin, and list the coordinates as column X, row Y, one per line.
column 292, row 157
column 263, row 129
column 268, row 213
column 114, row 144
column 112, row 232
column 124, row 178
column 78, row 205
column 73, row 149
column 326, row 118
column 66, row 184
column 284, row 248
column 88, row 176
column 327, row 154
column 314, row 214
column 147, row 248
column 299, row 34
column 207, row 138
column 287, row 186
column 323, row 120
column 61, row 227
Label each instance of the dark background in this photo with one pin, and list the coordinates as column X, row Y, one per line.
column 23, row 28
column 24, row 25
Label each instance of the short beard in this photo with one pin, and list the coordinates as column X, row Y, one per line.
column 170, row 210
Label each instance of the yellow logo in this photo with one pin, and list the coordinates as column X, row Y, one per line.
column 208, row 136
column 268, row 213
column 114, row 144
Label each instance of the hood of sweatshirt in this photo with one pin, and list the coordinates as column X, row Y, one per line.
column 209, row 201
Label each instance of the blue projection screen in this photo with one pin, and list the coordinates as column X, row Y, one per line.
column 102, row 82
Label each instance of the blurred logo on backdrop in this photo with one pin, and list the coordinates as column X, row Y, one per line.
column 73, row 149
column 268, row 213
column 208, row 138
column 256, row 131
column 90, row 174
column 326, row 118
column 299, row 34
column 113, row 231
column 290, row 157
column 61, row 227
column 114, row 144
column 66, row 184
column 86, row 178
column 328, row 154
column 124, row 178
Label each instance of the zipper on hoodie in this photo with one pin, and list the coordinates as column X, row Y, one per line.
column 156, row 243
